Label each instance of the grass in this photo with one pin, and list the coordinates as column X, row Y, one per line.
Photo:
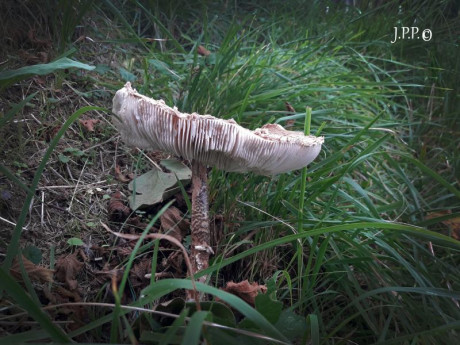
column 360, row 254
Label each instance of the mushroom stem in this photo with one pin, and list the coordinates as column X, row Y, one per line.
column 200, row 248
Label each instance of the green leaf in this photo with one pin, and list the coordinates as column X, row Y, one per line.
column 126, row 75
column 174, row 328
column 7, row 77
column 63, row 158
column 102, row 69
column 268, row 307
column 33, row 254
column 156, row 185
column 74, row 241
column 163, row 68
column 291, row 325
column 221, row 313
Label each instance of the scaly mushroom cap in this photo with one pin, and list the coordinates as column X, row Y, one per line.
column 150, row 124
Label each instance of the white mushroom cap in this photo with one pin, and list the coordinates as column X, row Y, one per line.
column 270, row 150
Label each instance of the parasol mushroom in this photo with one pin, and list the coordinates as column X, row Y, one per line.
column 208, row 141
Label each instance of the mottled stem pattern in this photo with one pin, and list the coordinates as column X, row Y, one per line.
column 200, row 249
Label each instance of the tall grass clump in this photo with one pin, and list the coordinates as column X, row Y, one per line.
column 352, row 249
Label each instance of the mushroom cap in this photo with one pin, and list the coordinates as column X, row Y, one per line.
column 151, row 124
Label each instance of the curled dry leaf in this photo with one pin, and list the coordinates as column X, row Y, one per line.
column 174, row 224
column 117, row 210
column 67, row 268
column 203, row 51
column 120, row 176
column 89, row 124
column 245, row 290
column 36, row 273
column 289, row 107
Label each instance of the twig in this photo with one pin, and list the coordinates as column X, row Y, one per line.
column 11, row 223
column 76, row 186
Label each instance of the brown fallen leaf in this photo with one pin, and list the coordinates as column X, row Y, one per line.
column 246, row 291
column 120, row 176
column 36, row 273
column 174, row 224
column 116, row 209
column 89, row 124
column 203, row 51
column 289, row 107
column 139, row 271
column 67, row 268
column 453, row 224
column 50, row 132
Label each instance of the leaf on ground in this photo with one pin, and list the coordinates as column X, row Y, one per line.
column 203, row 51
column 453, row 223
column 173, row 223
column 156, row 185
column 75, row 241
column 120, row 176
column 268, row 307
column 116, row 209
column 67, row 268
column 126, row 75
column 43, row 69
column 245, row 290
column 36, row 273
column 138, row 272
column 89, row 124
column 32, row 253
column 291, row 325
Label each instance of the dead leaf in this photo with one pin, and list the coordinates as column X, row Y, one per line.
column 246, row 291
column 453, row 224
column 89, row 124
column 67, row 268
column 139, row 271
column 289, row 107
column 120, row 176
column 50, row 132
column 36, row 273
column 174, row 224
column 116, row 209
column 203, row 51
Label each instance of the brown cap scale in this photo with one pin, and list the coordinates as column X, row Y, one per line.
column 208, row 141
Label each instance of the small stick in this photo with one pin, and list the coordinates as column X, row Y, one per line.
column 43, row 209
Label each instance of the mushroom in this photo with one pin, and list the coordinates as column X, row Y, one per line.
column 208, row 141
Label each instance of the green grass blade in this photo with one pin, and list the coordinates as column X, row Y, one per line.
column 172, row 330
column 396, row 227
column 8, row 77
column 166, row 286
column 193, row 330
